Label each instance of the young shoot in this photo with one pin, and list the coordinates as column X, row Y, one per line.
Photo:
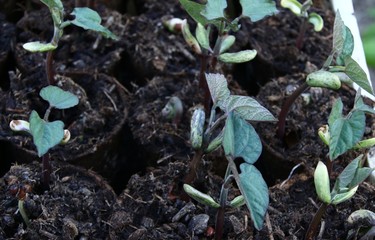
column 239, row 140
column 301, row 10
column 212, row 15
column 342, row 134
column 47, row 134
column 339, row 68
column 85, row 18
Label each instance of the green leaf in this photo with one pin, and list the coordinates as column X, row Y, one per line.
column 88, row 19
column 194, row 10
column 321, row 181
column 347, row 175
column 218, row 87
column 360, row 105
column 39, row 47
column 45, row 134
column 316, row 20
column 226, row 43
column 214, row 9
column 58, row 98
column 292, row 5
column 241, row 140
column 238, row 57
column 356, row 74
column 53, row 4
column 200, row 197
column 339, row 33
column 345, row 133
column 248, row 108
column 258, row 9
column 202, row 36
column 255, row 191
column 348, row 47
column 237, row 202
column 342, row 197
column 336, row 111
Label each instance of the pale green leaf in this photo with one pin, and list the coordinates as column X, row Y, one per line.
column 255, row 191
column 258, row 9
column 200, row 197
column 241, row 140
column 58, row 98
column 321, row 181
column 292, row 5
column 54, row 4
column 88, row 19
column 238, row 57
column 218, row 87
column 214, row 9
column 248, row 108
column 226, row 43
column 323, row 79
column 345, row 133
column 202, row 36
column 39, row 47
column 45, row 134
column 356, row 74
column 342, row 197
column 316, row 20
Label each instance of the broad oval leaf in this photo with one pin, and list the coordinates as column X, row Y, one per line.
column 357, row 75
column 342, row 197
column 241, row 140
column 88, row 19
column 58, row 98
column 258, row 9
column 292, row 5
column 345, row 133
column 316, row 20
column 214, row 9
column 248, row 108
column 347, row 175
column 255, row 191
column 45, row 134
column 218, row 87
column 39, row 47
column 321, row 181
column 336, row 111
column 238, row 57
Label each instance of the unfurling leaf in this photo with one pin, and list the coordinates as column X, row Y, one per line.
column 189, row 38
column 197, row 128
column 200, row 197
column 316, row 20
column 292, row 5
column 321, row 180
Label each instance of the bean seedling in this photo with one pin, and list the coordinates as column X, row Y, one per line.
column 301, row 10
column 239, row 140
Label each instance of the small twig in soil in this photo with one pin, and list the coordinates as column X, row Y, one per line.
column 321, row 231
column 269, row 227
column 110, row 99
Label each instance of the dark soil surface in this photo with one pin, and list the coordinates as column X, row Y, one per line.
column 123, row 87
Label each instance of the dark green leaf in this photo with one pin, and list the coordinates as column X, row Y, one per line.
column 347, row 175
column 345, row 133
column 356, row 74
column 194, row 10
column 360, row 105
column 45, row 134
column 336, row 111
column 339, row 34
column 88, row 19
column 258, row 9
column 348, row 47
column 255, row 191
column 241, row 140
column 248, row 108
column 58, row 98
column 214, row 9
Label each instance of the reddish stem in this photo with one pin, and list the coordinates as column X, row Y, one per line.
column 285, row 109
column 49, row 68
column 313, row 227
column 301, row 34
